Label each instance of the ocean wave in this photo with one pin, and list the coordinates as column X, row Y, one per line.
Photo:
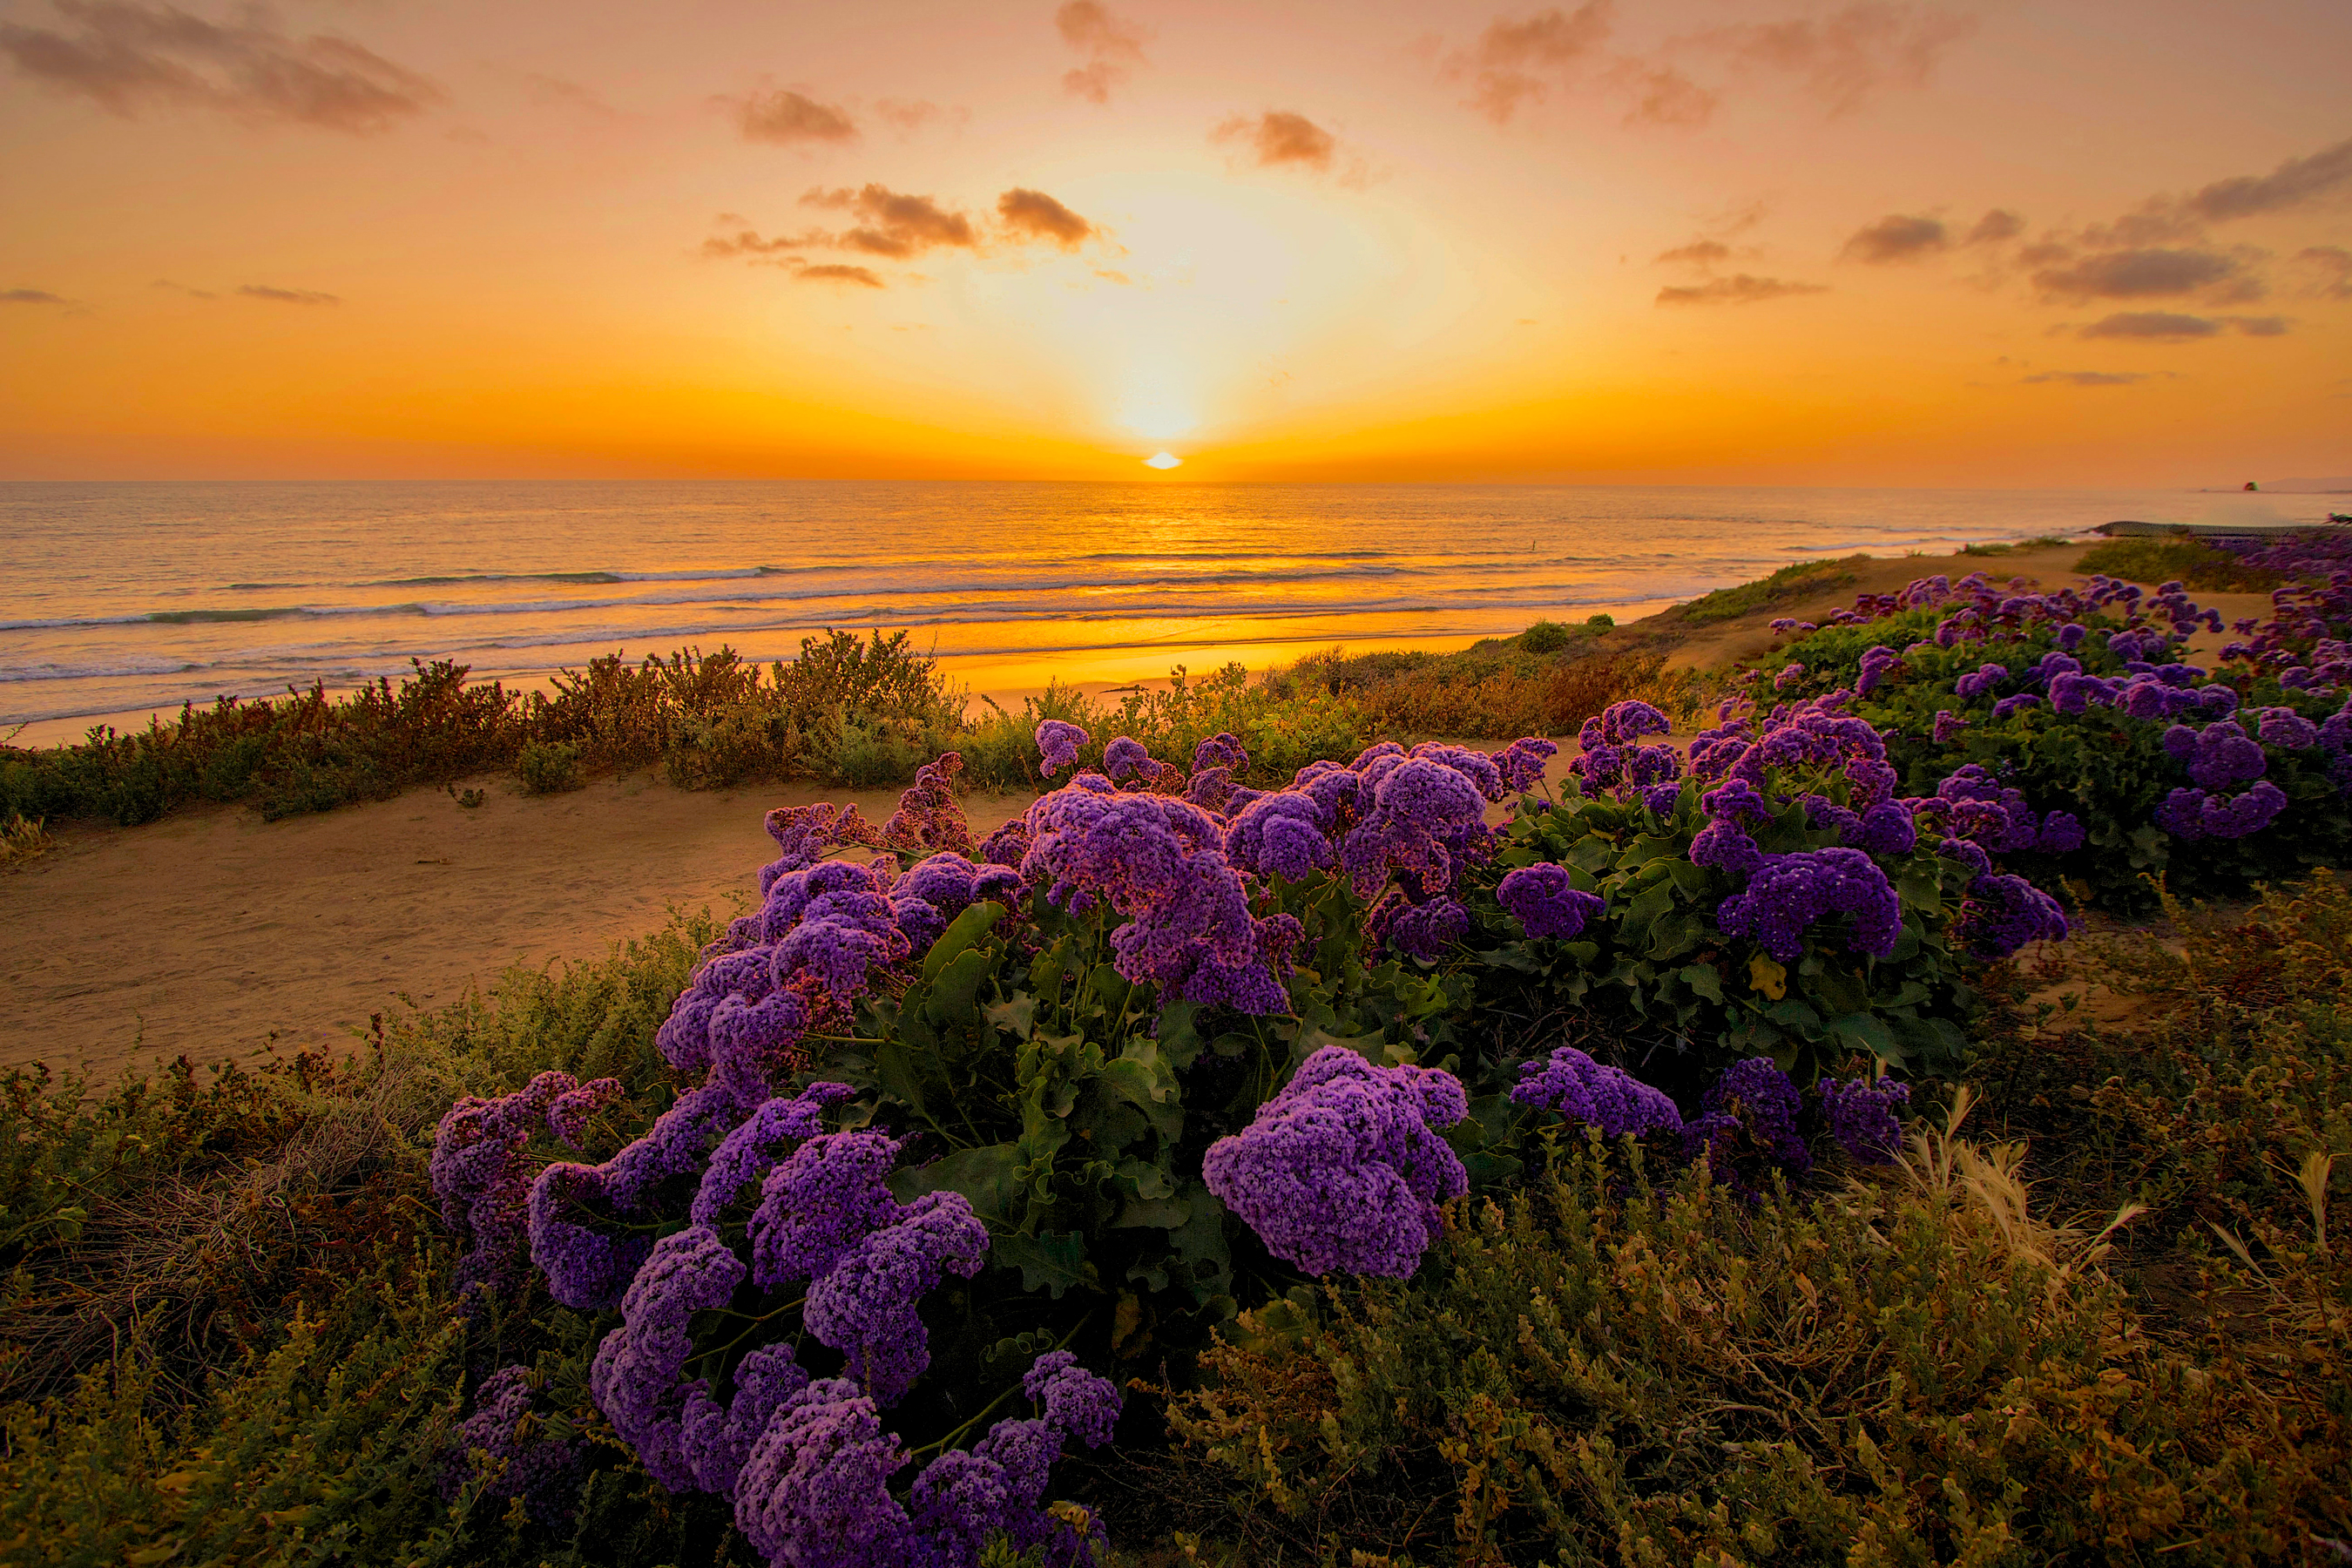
column 13, row 673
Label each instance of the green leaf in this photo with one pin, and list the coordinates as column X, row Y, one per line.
column 1053, row 1261
column 906, row 1075
column 962, row 933
column 1704, row 979
column 955, row 993
column 985, row 1176
column 1180, row 1041
column 1017, row 1016
column 1864, row 1031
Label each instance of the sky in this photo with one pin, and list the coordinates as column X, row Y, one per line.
column 2075, row 242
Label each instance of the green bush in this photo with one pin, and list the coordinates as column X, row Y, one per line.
column 2177, row 558
column 548, row 767
column 1610, row 1368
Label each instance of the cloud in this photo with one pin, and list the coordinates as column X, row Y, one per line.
column 747, row 242
column 130, row 57
column 2153, row 326
column 31, row 297
column 835, row 272
column 1995, row 226
column 784, row 118
column 1697, row 253
column 1503, row 67
column 1034, row 215
column 555, row 89
column 1896, row 238
column 1739, row 289
column 2259, row 326
column 1661, row 94
column 2084, row 378
column 1110, row 47
column 911, row 117
column 1847, row 56
column 2332, row 264
column 183, row 289
column 288, row 296
column 2140, row 275
column 895, row 225
column 1279, row 137
column 2291, row 184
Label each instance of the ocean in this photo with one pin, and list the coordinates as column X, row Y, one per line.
column 117, row 600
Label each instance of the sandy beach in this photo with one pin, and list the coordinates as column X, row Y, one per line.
column 214, row 934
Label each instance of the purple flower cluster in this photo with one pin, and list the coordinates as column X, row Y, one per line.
column 1749, row 1120
column 1057, row 746
column 501, row 1445
column 1607, row 1097
column 1614, row 761
column 1790, row 892
column 1546, row 903
column 1863, row 1116
column 815, row 1489
column 480, row 1176
column 1344, row 1169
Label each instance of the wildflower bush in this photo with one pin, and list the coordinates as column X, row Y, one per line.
column 2212, row 775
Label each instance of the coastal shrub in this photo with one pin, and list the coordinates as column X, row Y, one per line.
column 1613, row 1367
column 2083, row 701
column 2183, row 558
column 1807, row 579
column 24, row 839
column 548, row 767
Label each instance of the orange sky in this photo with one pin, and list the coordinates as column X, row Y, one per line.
column 2079, row 242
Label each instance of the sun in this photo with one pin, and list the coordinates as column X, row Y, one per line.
column 1163, row 460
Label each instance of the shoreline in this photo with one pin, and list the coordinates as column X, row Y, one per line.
column 214, row 934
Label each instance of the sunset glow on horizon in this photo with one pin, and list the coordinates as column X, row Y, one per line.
column 1859, row 241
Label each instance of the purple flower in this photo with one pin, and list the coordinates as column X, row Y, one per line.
column 1423, row 931
column 2222, row 754
column 568, row 1117
column 1790, row 673
column 717, row 1438
column 2286, row 728
column 1608, row 1098
column 1124, row 757
column 2061, row 834
column 1057, row 746
column 1949, row 726
column 2015, row 704
column 523, row 1462
column 1980, row 681
column 1862, row 1116
column 746, row 1155
column 1522, row 763
column 1281, row 835
column 1082, row 1404
column 1344, row 1169
column 1425, row 819
column 1221, row 750
column 1878, row 663
column 1484, row 774
column 636, row 1378
column 927, row 816
column 2002, row 913
column 866, row 1305
column 820, row 1203
column 478, row 1173
column 1546, row 903
column 815, row 1491
column 1622, row 724
column 1790, row 892
column 2192, row 813
column 1749, row 1114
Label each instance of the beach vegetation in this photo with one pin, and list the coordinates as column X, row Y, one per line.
column 24, row 839
column 548, row 767
column 1806, row 580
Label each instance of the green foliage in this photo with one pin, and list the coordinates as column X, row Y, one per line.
column 2110, row 770
column 2182, row 558
column 1806, row 580
column 1498, row 689
column 1656, row 976
column 1282, row 726
column 1612, row 1369
column 548, row 767
column 1071, row 1109
column 24, row 839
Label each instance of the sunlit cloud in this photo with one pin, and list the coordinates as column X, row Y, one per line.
column 1279, row 137
column 1897, row 237
column 31, row 297
column 785, row 119
column 2084, row 378
column 1111, row 47
column 130, row 58
column 1739, row 289
column 1034, row 215
column 277, row 296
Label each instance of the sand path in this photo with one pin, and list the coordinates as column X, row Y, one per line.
column 214, row 934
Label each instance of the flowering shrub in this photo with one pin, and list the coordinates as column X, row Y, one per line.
column 1770, row 893
column 2081, row 703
